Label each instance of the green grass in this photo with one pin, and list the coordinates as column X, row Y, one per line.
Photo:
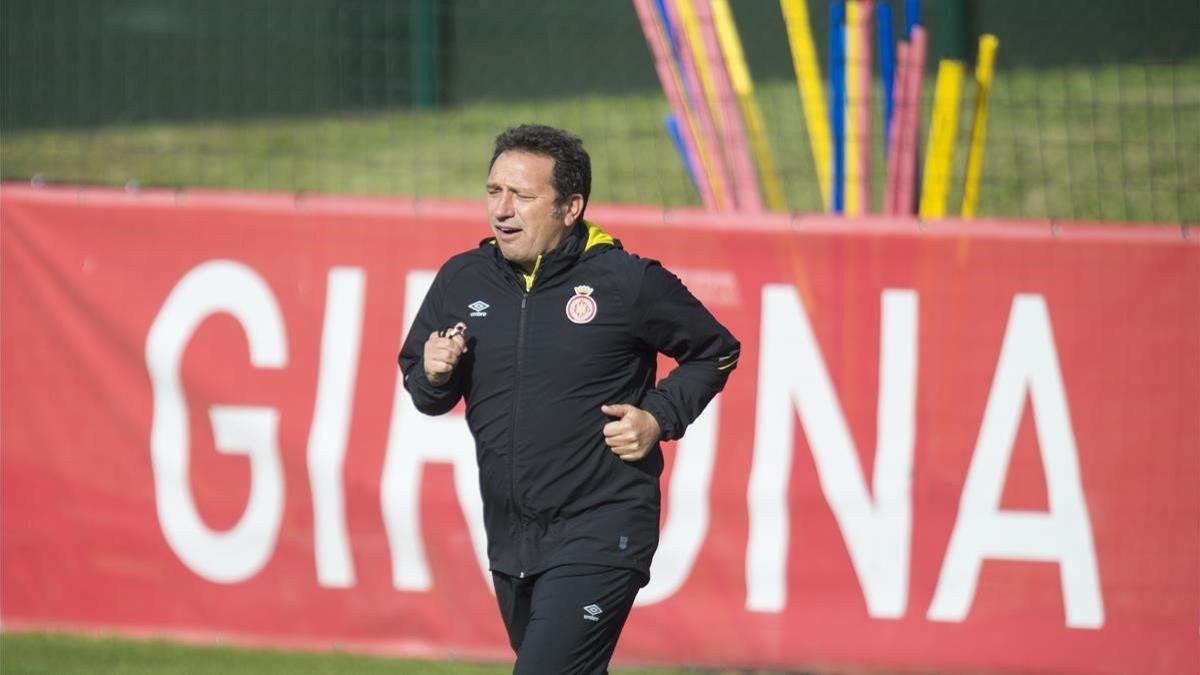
column 59, row 654
column 1118, row 142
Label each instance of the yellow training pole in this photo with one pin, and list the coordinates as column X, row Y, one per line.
column 706, row 54
column 939, row 153
column 853, row 55
column 983, row 85
column 743, row 88
column 812, row 89
column 695, row 42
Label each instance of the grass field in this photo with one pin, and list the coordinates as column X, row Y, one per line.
column 1095, row 143
column 57, row 654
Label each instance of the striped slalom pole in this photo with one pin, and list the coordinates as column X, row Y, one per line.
column 837, row 102
column 907, row 184
column 702, row 36
column 887, row 68
column 984, row 65
column 743, row 87
column 669, row 79
column 943, row 128
column 812, row 93
column 694, row 95
column 894, row 134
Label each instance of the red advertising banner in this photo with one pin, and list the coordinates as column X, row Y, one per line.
column 959, row 446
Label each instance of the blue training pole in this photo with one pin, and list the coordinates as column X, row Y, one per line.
column 677, row 140
column 672, row 38
column 676, row 46
column 887, row 66
column 837, row 100
column 912, row 16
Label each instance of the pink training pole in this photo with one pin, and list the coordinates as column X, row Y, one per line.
column 733, row 132
column 899, row 115
column 667, row 77
column 722, row 184
column 908, row 147
column 862, row 112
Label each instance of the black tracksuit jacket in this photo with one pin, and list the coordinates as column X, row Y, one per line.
column 534, row 380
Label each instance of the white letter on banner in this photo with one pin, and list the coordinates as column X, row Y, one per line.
column 687, row 508
column 1028, row 362
column 236, row 555
column 877, row 534
column 340, row 339
column 414, row 439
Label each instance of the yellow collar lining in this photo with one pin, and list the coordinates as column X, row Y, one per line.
column 537, row 264
column 596, row 236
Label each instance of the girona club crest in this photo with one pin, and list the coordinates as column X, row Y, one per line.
column 581, row 308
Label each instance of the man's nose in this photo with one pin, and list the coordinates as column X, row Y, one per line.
column 504, row 206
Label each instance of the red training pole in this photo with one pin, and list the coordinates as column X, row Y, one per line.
column 898, row 122
column 906, row 188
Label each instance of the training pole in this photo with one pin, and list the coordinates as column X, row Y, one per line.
column 887, row 68
column 894, row 134
column 853, row 58
column 669, row 80
column 915, row 79
column 702, row 36
column 862, row 106
column 812, row 92
column 984, row 66
column 694, row 95
column 743, row 87
column 837, row 102
column 943, row 129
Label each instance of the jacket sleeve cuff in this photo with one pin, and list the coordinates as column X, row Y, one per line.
column 427, row 396
column 669, row 427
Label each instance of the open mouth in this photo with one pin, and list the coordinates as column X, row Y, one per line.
column 507, row 231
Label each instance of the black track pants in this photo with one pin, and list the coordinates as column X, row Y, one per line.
column 567, row 619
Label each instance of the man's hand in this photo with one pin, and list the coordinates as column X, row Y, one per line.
column 443, row 349
column 633, row 433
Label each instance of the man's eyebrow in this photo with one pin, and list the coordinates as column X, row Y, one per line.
column 524, row 189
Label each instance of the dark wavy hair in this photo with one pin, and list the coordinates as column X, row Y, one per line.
column 572, row 165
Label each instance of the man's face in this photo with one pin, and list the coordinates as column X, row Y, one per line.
column 521, row 208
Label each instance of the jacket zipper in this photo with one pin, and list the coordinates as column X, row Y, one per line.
column 512, row 452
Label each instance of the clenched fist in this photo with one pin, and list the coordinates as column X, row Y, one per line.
column 634, row 431
column 443, row 349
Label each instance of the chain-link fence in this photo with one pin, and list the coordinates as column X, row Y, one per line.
column 1095, row 109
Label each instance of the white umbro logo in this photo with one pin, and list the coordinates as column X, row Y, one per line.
column 593, row 612
column 478, row 308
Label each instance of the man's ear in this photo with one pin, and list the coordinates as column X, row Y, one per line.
column 572, row 209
